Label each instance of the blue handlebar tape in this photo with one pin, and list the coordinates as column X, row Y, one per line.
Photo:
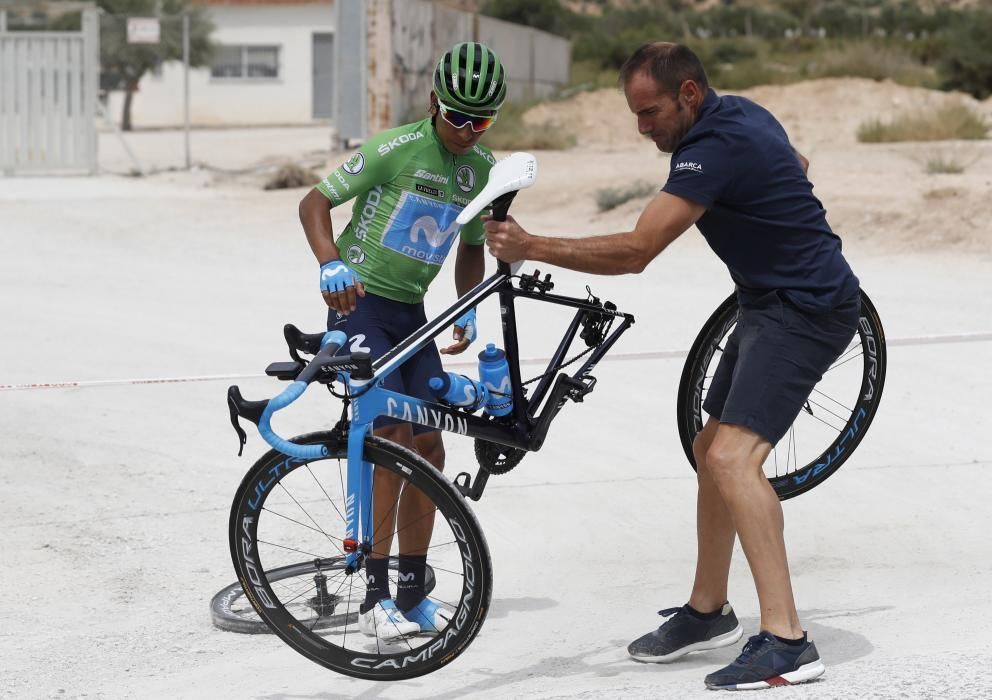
column 288, row 396
column 336, row 337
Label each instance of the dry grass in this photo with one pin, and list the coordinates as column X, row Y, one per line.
column 289, row 176
column 510, row 133
column 612, row 197
column 950, row 122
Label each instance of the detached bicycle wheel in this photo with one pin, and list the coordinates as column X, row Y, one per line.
column 287, row 530
column 831, row 424
column 231, row 610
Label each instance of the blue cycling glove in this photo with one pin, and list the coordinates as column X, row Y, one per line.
column 467, row 322
column 335, row 276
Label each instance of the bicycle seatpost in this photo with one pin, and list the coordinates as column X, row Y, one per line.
column 501, row 205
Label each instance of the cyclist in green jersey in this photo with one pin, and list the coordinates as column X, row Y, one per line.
column 409, row 184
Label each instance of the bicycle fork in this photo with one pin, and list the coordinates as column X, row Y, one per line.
column 358, row 502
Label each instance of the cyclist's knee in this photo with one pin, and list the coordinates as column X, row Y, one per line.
column 702, row 442
column 431, row 447
column 400, row 433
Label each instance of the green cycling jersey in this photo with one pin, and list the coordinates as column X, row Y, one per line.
column 409, row 191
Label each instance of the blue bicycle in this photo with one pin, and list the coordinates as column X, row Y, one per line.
column 305, row 518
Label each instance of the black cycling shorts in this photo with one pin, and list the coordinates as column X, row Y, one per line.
column 376, row 326
column 773, row 359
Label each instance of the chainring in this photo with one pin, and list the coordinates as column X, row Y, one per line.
column 495, row 458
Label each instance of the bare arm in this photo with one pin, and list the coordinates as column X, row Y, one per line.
column 803, row 161
column 315, row 215
column 470, row 266
column 664, row 219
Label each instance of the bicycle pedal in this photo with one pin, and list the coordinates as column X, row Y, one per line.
column 463, row 482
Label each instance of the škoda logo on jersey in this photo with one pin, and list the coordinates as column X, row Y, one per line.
column 355, row 164
column 465, row 178
column 389, row 145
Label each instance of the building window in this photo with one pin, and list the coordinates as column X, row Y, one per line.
column 245, row 62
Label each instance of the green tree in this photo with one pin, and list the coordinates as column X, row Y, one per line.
column 966, row 62
column 122, row 65
column 548, row 15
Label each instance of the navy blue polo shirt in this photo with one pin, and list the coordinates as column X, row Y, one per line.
column 761, row 216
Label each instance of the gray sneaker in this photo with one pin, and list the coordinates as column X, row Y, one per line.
column 685, row 633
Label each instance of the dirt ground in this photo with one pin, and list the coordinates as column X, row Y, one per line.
column 115, row 498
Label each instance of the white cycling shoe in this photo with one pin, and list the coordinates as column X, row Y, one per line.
column 386, row 622
column 429, row 616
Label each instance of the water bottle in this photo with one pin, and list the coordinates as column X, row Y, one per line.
column 494, row 372
column 459, row 390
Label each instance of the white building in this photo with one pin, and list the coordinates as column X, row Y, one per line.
column 273, row 65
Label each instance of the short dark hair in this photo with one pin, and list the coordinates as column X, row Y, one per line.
column 669, row 64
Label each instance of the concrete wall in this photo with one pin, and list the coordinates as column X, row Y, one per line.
column 415, row 33
column 287, row 99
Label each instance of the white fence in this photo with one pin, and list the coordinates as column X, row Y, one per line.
column 48, row 93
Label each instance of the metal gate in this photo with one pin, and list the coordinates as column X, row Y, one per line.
column 48, row 93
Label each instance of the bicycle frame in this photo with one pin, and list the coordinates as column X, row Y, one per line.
column 526, row 430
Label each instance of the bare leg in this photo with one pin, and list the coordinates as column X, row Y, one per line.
column 734, row 462
column 416, row 512
column 386, row 492
column 715, row 531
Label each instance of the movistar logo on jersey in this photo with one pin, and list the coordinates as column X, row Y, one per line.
column 422, row 228
column 389, row 145
column 433, row 177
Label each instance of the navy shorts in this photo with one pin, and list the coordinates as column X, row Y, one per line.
column 378, row 325
column 773, row 359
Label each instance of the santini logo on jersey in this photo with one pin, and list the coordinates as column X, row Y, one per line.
column 689, row 165
column 389, row 145
column 432, row 177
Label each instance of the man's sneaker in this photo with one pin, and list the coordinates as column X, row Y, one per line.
column 767, row 662
column 385, row 622
column 685, row 633
column 429, row 615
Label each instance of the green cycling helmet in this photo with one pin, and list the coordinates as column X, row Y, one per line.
column 470, row 78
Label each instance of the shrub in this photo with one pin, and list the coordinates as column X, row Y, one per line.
column 940, row 164
column 291, row 175
column 870, row 60
column 510, row 133
column 938, row 124
column 612, row 197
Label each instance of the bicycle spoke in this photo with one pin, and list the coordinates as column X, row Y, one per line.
column 829, row 398
column 329, row 499
column 291, row 549
column 839, row 362
column 308, row 527
column 827, row 410
column 300, row 506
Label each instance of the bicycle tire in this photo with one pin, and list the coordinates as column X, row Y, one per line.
column 806, row 473
column 231, row 611
column 283, row 499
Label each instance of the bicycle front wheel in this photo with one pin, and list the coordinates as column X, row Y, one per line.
column 287, row 532
column 834, row 419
